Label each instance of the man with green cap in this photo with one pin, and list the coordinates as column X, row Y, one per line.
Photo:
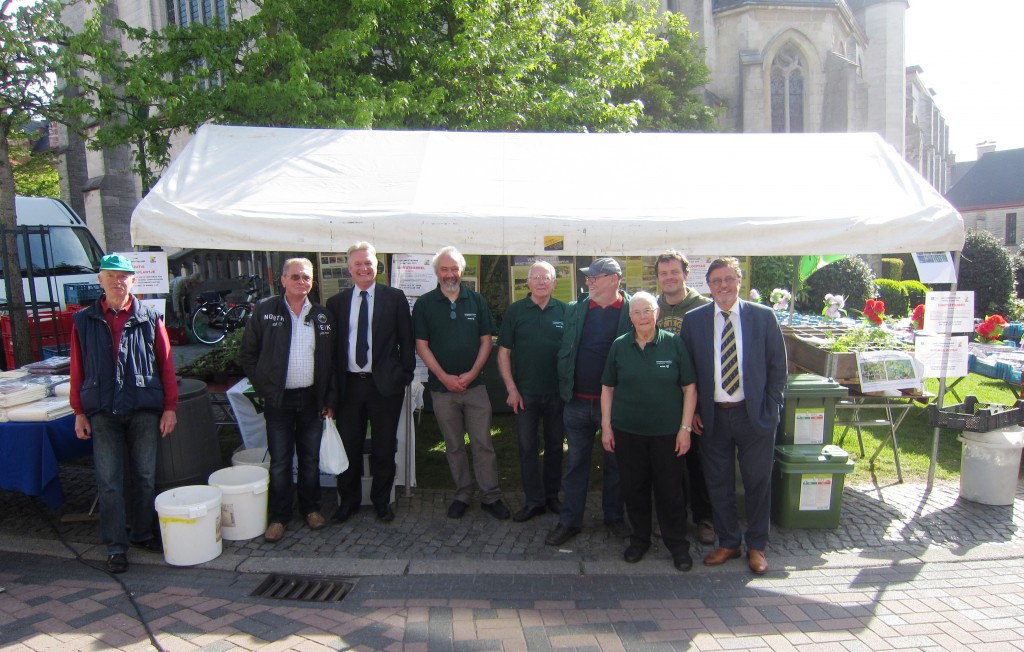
column 124, row 394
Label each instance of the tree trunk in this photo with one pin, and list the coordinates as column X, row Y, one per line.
column 15, row 307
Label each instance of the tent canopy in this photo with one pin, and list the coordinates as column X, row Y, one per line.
column 523, row 193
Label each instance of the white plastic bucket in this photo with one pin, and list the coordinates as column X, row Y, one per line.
column 251, row 457
column 990, row 464
column 190, row 524
column 243, row 506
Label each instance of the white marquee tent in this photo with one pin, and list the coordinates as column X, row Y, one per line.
column 257, row 188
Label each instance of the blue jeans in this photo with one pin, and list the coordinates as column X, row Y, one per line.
column 582, row 419
column 294, row 429
column 538, row 487
column 124, row 448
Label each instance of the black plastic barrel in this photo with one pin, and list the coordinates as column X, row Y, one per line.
column 192, row 452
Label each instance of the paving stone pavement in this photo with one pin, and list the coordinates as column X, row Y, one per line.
column 905, row 569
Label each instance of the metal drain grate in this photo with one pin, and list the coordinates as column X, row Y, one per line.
column 308, row 589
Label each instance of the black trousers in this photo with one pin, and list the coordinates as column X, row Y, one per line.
column 363, row 404
column 649, row 463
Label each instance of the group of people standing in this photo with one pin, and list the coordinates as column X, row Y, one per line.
column 679, row 387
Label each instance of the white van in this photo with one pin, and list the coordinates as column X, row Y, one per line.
column 61, row 250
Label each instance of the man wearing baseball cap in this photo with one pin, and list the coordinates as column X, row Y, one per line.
column 591, row 325
column 124, row 394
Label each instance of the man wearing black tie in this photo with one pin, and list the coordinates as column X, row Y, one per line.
column 374, row 362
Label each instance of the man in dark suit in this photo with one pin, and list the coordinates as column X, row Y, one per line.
column 740, row 356
column 374, row 363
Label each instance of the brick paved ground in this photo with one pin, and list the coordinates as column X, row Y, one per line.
column 904, row 570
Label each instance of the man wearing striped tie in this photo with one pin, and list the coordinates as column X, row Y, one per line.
column 740, row 357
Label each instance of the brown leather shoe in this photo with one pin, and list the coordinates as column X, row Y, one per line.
column 721, row 555
column 274, row 533
column 315, row 520
column 757, row 561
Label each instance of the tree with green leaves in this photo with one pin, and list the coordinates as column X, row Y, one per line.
column 481, row 65
column 35, row 174
column 37, row 50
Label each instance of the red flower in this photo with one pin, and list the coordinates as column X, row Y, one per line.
column 874, row 311
column 991, row 330
column 917, row 318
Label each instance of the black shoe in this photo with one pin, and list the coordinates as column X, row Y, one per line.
column 682, row 560
column 618, row 528
column 457, row 509
column 343, row 513
column 385, row 514
column 152, row 545
column 561, row 534
column 553, row 504
column 117, row 562
column 635, row 552
column 496, row 509
column 526, row 513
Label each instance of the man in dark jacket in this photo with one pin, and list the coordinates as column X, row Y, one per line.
column 124, row 404
column 286, row 353
column 375, row 359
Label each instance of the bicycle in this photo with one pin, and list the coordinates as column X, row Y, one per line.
column 214, row 317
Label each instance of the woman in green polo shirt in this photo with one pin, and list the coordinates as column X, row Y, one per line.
column 648, row 397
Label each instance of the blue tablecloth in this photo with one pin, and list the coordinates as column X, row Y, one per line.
column 30, row 456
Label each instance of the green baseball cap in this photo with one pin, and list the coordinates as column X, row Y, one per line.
column 116, row 263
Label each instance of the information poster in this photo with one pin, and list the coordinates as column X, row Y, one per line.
column 935, row 267
column 815, row 492
column 520, row 269
column 949, row 312
column 809, row 426
column 882, row 370
column 942, row 357
column 334, row 274
column 639, row 274
column 150, row 271
column 413, row 274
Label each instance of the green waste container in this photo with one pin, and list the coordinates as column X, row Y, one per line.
column 807, row 485
column 809, row 412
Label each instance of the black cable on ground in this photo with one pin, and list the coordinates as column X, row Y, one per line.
column 128, row 593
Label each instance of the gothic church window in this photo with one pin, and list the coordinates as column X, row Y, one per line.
column 787, row 87
column 184, row 12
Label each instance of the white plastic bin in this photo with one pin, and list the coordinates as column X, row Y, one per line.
column 243, row 507
column 190, row 524
column 251, row 457
column 990, row 464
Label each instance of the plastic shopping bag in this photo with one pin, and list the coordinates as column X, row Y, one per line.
column 333, row 459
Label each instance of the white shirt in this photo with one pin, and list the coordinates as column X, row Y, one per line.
column 300, row 353
column 734, row 317
column 353, row 329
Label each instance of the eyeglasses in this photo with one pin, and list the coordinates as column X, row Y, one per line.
column 643, row 313
column 542, row 279
column 594, row 279
column 452, row 315
column 301, row 277
column 728, row 280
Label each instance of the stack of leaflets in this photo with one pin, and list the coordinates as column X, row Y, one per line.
column 47, row 409
column 58, row 364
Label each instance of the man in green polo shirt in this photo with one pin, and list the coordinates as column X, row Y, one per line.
column 453, row 328
column 531, row 333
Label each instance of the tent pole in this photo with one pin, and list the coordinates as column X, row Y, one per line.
column 795, row 286
column 942, row 382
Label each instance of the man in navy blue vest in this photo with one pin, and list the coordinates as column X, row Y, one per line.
column 124, row 404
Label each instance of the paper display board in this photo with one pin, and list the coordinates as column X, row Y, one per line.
column 150, row 271
column 942, row 357
column 882, row 370
column 949, row 312
column 565, row 267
